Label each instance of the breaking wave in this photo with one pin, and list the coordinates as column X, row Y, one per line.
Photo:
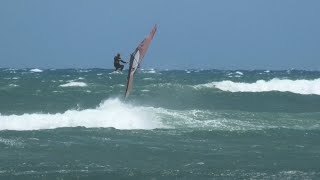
column 110, row 113
column 119, row 115
column 283, row 85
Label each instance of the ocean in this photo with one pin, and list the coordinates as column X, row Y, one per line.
column 176, row 124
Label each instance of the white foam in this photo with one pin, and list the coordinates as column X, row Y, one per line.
column 146, row 79
column 151, row 71
column 10, row 142
column 237, row 74
column 116, row 72
column 10, row 69
column 83, row 70
column 74, row 84
column 110, row 113
column 282, row 85
column 35, row 70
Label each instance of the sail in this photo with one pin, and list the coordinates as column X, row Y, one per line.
column 136, row 59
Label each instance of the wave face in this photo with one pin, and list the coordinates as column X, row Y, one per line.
column 176, row 124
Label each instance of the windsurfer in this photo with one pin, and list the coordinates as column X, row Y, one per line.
column 116, row 63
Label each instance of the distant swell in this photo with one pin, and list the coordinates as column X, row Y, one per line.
column 111, row 113
column 282, row 85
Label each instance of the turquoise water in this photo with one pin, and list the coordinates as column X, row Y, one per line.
column 186, row 124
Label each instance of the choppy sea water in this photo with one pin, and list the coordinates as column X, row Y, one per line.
column 176, row 124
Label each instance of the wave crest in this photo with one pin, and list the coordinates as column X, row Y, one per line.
column 74, row 84
column 36, row 70
column 283, row 85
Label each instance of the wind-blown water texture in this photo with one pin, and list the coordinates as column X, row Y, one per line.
column 203, row 124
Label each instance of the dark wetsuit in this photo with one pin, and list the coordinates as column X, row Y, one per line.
column 117, row 64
